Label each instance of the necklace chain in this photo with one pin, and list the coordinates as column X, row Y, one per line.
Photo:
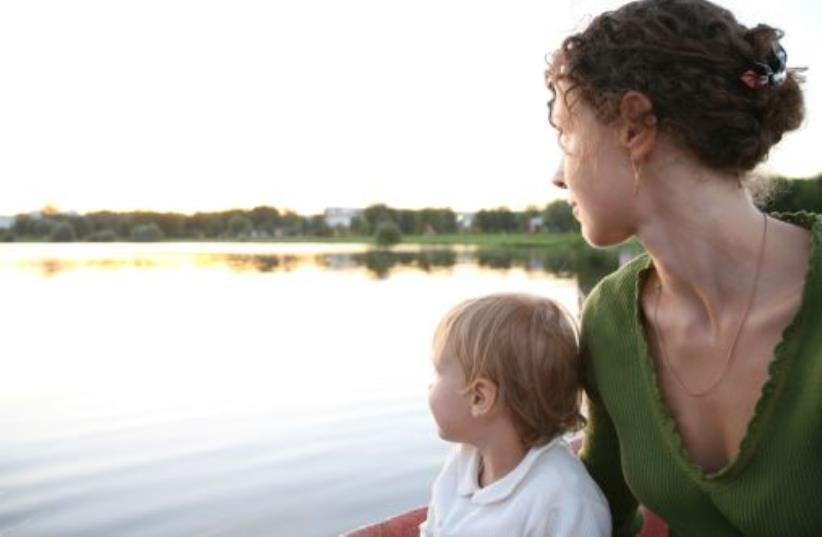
column 729, row 357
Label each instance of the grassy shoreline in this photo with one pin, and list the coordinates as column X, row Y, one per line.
column 479, row 239
column 491, row 240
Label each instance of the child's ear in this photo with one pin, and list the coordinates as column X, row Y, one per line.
column 483, row 396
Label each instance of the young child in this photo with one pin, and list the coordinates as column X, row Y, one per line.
column 506, row 388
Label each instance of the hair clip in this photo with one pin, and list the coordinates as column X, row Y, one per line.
column 771, row 73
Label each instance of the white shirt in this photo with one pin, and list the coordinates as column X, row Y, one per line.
column 548, row 494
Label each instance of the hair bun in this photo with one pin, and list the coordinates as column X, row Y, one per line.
column 720, row 90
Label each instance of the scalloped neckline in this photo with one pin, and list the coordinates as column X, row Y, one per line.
column 776, row 366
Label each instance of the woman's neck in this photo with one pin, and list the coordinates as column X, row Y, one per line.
column 704, row 237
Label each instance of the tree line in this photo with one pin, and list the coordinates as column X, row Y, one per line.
column 268, row 222
column 787, row 195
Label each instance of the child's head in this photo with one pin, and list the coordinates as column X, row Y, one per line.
column 525, row 349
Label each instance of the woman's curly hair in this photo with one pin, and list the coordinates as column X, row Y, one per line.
column 687, row 57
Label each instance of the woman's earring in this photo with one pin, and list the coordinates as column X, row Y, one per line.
column 636, row 178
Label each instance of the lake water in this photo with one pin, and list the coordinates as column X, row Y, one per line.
column 227, row 389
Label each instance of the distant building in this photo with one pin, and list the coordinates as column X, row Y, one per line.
column 465, row 220
column 535, row 224
column 6, row 222
column 339, row 217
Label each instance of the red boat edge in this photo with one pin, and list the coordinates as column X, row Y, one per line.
column 407, row 525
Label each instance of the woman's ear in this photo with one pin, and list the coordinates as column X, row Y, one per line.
column 637, row 125
column 483, row 393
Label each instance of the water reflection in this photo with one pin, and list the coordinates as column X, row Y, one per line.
column 380, row 263
column 256, row 263
column 233, row 389
column 587, row 264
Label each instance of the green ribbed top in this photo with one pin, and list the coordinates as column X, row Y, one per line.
column 632, row 449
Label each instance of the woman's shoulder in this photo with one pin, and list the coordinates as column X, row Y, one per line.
column 615, row 294
column 812, row 222
column 807, row 219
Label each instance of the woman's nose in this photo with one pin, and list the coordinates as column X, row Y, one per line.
column 559, row 179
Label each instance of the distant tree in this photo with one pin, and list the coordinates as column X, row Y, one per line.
column 265, row 218
column 317, row 227
column 22, row 225
column 292, row 223
column 124, row 227
column 794, row 195
column 171, row 224
column 439, row 220
column 388, row 233
column 100, row 221
column 81, row 224
column 240, row 226
column 373, row 215
column 103, row 235
column 146, row 233
column 359, row 226
column 42, row 227
column 558, row 217
column 62, row 232
column 407, row 220
column 211, row 225
column 500, row 220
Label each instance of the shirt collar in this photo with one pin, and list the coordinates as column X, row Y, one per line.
column 468, row 474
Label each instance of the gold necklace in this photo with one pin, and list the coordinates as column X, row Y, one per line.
column 729, row 357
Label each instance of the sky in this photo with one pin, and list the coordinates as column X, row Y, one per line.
column 199, row 105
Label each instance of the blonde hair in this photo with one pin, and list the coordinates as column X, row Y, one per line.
column 527, row 346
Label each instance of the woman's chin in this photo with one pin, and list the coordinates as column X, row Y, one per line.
column 602, row 238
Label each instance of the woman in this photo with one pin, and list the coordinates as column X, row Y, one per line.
column 704, row 355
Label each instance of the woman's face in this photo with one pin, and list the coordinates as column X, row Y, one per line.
column 596, row 171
